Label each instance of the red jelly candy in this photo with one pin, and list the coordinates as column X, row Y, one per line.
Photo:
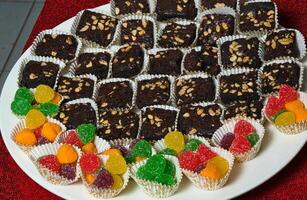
column 273, row 106
column 189, row 160
column 243, row 128
column 287, row 94
column 51, row 162
column 89, row 163
column 73, row 139
column 38, row 133
column 204, row 153
column 240, row 145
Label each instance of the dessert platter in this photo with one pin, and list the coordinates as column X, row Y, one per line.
column 142, row 99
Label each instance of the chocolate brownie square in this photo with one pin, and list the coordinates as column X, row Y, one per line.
column 257, row 16
column 138, row 31
column 184, row 9
column 177, row 35
column 242, row 52
column 73, row 115
column 275, row 74
column 75, row 87
column 124, row 7
column 96, row 27
column 56, row 45
column 252, row 109
column 200, row 120
column 35, row 73
column 157, row 122
column 165, row 62
column 239, row 87
column 94, row 63
column 153, row 91
column 213, row 27
column 128, row 61
column 118, row 124
column 115, row 94
column 210, row 4
column 281, row 44
column 189, row 90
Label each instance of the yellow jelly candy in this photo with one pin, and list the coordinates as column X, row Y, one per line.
column 90, row 178
column 174, row 140
column 26, row 137
column 221, row 164
column 294, row 106
column 67, row 154
column 301, row 115
column 35, row 119
column 117, row 182
column 112, row 152
column 285, row 119
column 57, row 98
column 116, row 164
column 44, row 94
column 211, row 171
column 89, row 148
column 50, row 131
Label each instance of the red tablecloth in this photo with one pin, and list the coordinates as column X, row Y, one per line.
column 290, row 183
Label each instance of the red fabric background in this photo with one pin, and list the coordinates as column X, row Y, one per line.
column 290, row 183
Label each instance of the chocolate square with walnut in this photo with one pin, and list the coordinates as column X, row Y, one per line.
column 157, row 122
column 75, row 87
column 239, row 87
column 37, row 72
column 128, row 61
column 177, row 35
column 274, row 75
column 166, row 62
column 114, row 95
column 58, row 46
column 210, row 4
column 118, row 124
column 213, row 27
column 123, row 7
column 281, row 44
column 240, row 53
column 200, row 120
column 252, row 109
column 97, row 28
column 137, row 31
column 72, row 115
column 153, row 91
column 194, row 90
column 93, row 63
column 184, row 9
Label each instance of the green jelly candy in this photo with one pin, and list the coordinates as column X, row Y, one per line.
column 24, row 93
column 168, row 151
column 253, row 138
column 170, row 168
column 49, row 109
column 144, row 174
column 130, row 157
column 86, row 133
column 165, row 179
column 20, row 107
column 156, row 164
column 192, row 145
column 142, row 148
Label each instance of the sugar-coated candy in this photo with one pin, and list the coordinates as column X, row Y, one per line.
column 199, row 168
column 66, row 154
column 49, row 109
column 168, row 151
column 253, row 139
column 139, row 158
column 43, row 94
column 204, row 153
column 273, row 106
column 123, row 150
column 117, row 182
column 57, row 98
column 51, row 162
column 192, row 145
column 26, row 137
column 301, row 115
column 86, row 132
column 141, row 149
column 294, row 106
column 90, row 178
column 169, row 168
column 89, row 148
column 156, row 164
column 226, row 141
column 42, row 141
column 24, row 93
column 189, row 160
column 35, row 119
column 285, row 119
column 68, row 171
column 211, row 171
column 116, row 164
column 112, row 151
column 142, row 173
column 50, row 131
column 240, row 145
column 287, row 93
column 38, row 132
column 165, row 179
column 89, row 163
column 104, row 179
column 21, row 107
column 221, row 164
column 174, row 140
column 243, row 128
column 73, row 139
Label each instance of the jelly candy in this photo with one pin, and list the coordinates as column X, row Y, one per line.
column 49, row 109
column 142, row 149
column 73, row 139
column 294, row 106
column 221, row 164
column 20, row 107
column 168, row 151
column 189, row 160
column 86, row 132
column 89, row 163
column 211, row 171
column 278, row 113
column 90, row 178
column 89, row 148
column 139, row 159
column 169, row 168
column 57, row 98
column 253, row 139
column 240, row 145
column 24, row 93
column 287, row 93
column 204, row 153
column 192, row 145
column 51, row 162
column 273, row 106
column 301, row 115
column 165, row 179
column 67, row 154
column 243, row 128
column 26, row 137
column 199, row 168
column 43, row 94
column 142, row 173
column 68, row 171
column 112, row 151
column 285, row 119
column 37, row 132
column 156, row 164
column 117, row 182
column 50, row 131
column 35, row 119
column 42, row 141
column 103, row 180
column 116, row 164
column 174, row 140
column 123, row 150
column 226, row 141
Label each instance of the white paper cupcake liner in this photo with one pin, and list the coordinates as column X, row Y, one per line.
column 155, row 189
column 229, row 127
column 22, row 125
column 151, row 3
column 49, row 175
column 41, row 35
column 89, row 43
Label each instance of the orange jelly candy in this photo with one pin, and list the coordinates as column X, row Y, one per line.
column 50, row 131
column 90, row 178
column 301, row 115
column 67, row 154
column 211, row 171
column 57, row 98
column 112, row 152
column 89, row 148
column 26, row 137
column 294, row 106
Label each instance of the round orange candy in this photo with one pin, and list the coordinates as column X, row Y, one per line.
column 67, row 154
column 139, row 158
column 211, row 171
column 57, row 98
column 112, row 152
column 294, row 106
column 26, row 137
column 90, row 178
column 301, row 115
column 50, row 131
column 89, row 148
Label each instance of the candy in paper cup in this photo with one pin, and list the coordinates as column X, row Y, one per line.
column 115, row 11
